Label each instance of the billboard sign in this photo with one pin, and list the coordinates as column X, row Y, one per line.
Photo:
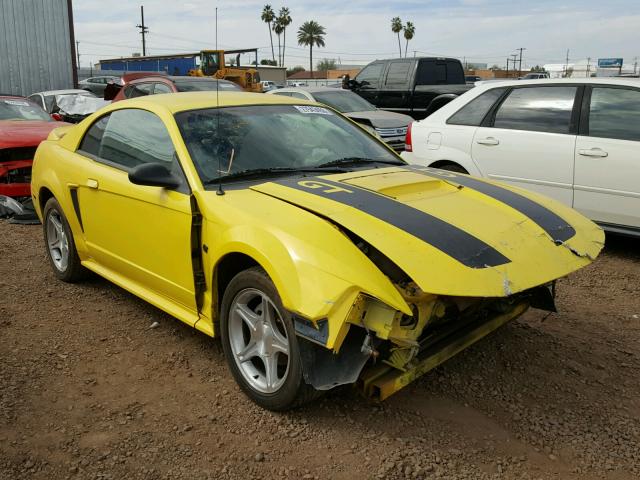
column 609, row 63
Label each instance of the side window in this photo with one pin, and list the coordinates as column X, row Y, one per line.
column 298, row 95
column 138, row 90
column 37, row 99
column 439, row 72
column 474, row 112
column 161, row 88
column 370, row 74
column 133, row 137
column 49, row 103
column 282, row 94
column 398, row 74
column 537, row 109
column 615, row 113
column 91, row 141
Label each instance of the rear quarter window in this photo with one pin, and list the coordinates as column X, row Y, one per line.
column 474, row 112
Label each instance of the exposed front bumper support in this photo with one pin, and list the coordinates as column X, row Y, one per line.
column 381, row 381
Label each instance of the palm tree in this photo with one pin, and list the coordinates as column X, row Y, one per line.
column 278, row 28
column 409, row 31
column 267, row 17
column 285, row 20
column 396, row 27
column 309, row 34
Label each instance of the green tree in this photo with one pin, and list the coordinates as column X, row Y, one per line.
column 309, row 34
column 396, row 27
column 269, row 16
column 326, row 64
column 409, row 32
column 285, row 20
column 278, row 28
column 266, row 61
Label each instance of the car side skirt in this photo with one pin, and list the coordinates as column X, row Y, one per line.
column 174, row 309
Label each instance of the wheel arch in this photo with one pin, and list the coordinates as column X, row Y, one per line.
column 442, row 163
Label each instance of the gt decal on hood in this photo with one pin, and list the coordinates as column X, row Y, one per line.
column 458, row 244
column 556, row 227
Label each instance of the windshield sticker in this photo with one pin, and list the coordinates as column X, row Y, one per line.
column 22, row 103
column 308, row 109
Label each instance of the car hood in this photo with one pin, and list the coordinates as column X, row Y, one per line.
column 381, row 118
column 25, row 133
column 451, row 233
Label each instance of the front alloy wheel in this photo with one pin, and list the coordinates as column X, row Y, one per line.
column 258, row 340
column 260, row 343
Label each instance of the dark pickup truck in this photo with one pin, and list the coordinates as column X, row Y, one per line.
column 413, row 86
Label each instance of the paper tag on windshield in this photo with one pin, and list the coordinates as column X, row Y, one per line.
column 310, row 109
column 22, row 103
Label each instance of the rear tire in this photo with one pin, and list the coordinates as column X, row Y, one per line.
column 260, row 343
column 60, row 245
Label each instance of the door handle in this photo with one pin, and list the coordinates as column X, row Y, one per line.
column 91, row 183
column 488, row 141
column 593, row 152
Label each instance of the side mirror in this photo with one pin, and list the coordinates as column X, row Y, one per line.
column 153, row 175
column 57, row 117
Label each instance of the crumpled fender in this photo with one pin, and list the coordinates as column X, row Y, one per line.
column 317, row 278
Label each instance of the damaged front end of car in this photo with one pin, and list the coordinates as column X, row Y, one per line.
column 383, row 350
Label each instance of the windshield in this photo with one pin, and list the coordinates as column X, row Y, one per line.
column 344, row 102
column 238, row 139
column 205, row 86
column 18, row 109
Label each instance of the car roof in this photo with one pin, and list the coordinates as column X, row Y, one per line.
column 554, row 81
column 174, row 78
column 62, row 92
column 311, row 90
column 179, row 102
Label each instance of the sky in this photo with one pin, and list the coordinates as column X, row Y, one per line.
column 359, row 31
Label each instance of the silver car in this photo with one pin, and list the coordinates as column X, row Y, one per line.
column 391, row 127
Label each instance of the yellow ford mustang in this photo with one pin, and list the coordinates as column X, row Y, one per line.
column 313, row 250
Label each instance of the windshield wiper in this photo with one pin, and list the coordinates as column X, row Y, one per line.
column 264, row 172
column 352, row 160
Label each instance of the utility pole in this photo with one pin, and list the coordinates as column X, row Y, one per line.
column 635, row 64
column 507, row 68
column 513, row 60
column 217, row 31
column 143, row 30
column 588, row 66
column 78, row 54
column 566, row 64
column 520, row 63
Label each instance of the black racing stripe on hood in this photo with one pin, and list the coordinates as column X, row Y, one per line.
column 458, row 244
column 555, row 226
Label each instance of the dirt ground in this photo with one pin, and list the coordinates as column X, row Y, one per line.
column 89, row 391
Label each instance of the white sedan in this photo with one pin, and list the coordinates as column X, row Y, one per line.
column 576, row 140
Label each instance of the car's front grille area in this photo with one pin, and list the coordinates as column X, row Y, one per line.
column 391, row 132
column 394, row 137
column 17, row 153
column 18, row 175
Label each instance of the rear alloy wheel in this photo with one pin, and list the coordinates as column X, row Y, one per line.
column 61, row 248
column 260, row 344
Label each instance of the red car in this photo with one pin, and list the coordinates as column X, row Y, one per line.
column 23, row 125
column 153, row 84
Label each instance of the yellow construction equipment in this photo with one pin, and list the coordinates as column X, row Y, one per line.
column 212, row 64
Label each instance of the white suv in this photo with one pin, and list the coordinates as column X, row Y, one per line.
column 576, row 140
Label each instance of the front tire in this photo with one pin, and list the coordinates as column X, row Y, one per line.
column 260, row 344
column 61, row 247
